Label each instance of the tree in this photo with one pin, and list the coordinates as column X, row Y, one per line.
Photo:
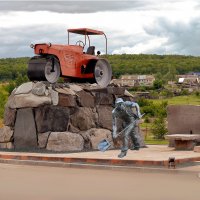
column 159, row 128
column 157, row 84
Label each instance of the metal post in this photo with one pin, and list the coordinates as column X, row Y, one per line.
column 68, row 37
column 106, row 44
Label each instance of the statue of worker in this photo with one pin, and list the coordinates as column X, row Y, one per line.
column 124, row 111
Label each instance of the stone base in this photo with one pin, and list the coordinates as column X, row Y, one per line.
column 184, row 144
column 183, row 141
column 61, row 117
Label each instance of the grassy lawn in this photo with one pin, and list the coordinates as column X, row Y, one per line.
column 181, row 100
column 158, row 142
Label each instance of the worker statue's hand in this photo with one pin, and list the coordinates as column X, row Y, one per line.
column 141, row 115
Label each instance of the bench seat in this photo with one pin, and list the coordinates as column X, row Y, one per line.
column 183, row 141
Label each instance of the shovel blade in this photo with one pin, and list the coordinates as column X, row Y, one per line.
column 104, row 145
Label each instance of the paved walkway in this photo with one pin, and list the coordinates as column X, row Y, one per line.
column 153, row 156
column 22, row 182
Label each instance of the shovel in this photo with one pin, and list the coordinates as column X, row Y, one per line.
column 105, row 144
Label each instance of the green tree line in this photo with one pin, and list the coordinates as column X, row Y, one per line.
column 160, row 65
column 11, row 68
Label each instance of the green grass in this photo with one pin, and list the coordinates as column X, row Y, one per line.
column 181, row 100
column 146, row 125
column 149, row 139
column 3, row 100
column 157, row 142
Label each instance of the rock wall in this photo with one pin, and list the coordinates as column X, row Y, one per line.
column 62, row 117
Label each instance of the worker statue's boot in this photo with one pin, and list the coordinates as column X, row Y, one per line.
column 136, row 148
column 122, row 154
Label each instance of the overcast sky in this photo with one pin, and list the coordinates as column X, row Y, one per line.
column 132, row 27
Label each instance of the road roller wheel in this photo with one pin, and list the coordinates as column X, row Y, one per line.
column 103, row 72
column 44, row 69
column 52, row 70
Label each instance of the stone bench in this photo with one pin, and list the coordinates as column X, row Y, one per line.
column 183, row 141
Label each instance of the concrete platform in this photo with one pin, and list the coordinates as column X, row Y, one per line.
column 154, row 156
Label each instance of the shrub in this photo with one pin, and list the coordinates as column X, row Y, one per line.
column 157, row 84
column 146, row 120
column 159, row 128
column 197, row 93
column 184, row 92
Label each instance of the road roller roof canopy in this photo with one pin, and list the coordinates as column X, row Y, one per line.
column 86, row 32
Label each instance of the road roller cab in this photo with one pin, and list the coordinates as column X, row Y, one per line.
column 71, row 61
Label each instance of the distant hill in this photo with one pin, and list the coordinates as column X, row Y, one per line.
column 10, row 68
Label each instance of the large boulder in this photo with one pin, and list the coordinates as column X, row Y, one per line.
column 93, row 136
column 105, row 116
column 51, row 118
column 6, row 134
column 27, row 101
column 25, row 131
column 9, row 116
column 65, row 141
column 39, row 89
column 84, row 118
column 25, row 88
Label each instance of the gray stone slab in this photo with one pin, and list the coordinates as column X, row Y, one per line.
column 182, row 137
column 25, row 131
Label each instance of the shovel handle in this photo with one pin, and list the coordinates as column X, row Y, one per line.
column 123, row 130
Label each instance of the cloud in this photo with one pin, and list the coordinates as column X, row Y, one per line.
column 19, row 40
column 170, row 27
column 71, row 6
column 181, row 38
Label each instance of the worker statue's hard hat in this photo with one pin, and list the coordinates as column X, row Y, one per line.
column 119, row 100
